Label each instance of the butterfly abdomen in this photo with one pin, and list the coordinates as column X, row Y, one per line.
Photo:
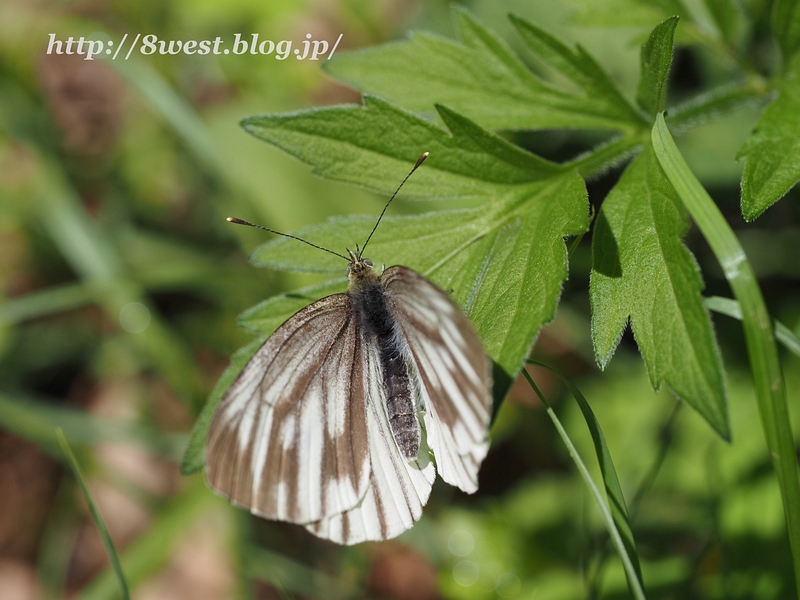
column 370, row 301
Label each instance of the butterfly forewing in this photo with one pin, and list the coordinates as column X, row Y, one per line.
column 452, row 370
column 398, row 488
column 289, row 439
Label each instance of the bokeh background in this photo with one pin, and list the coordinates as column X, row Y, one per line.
column 121, row 282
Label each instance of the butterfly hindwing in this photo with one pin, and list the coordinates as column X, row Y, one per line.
column 452, row 370
column 398, row 488
column 289, row 439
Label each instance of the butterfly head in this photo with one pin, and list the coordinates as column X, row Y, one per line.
column 360, row 269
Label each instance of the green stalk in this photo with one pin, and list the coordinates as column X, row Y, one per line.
column 630, row 562
column 98, row 518
column 764, row 362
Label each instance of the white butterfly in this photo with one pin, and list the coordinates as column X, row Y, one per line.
column 332, row 422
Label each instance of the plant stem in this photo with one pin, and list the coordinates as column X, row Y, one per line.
column 766, row 368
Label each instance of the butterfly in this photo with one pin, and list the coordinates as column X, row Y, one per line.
column 342, row 417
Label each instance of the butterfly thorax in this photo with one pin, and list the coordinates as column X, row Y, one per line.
column 370, row 305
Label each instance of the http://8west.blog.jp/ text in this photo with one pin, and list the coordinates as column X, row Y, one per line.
column 102, row 46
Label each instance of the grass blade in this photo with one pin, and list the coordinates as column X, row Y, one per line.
column 764, row 362
column 155, row 547
column 614, row 514
column 36, row 421
column 155, row 90
column 91, row 253
column 44, row 302
column 730, row 307
column 98, row 518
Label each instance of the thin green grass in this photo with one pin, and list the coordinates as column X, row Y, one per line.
column 615, row 513
column 731, row 308
column 154, row 548
column 96, row 516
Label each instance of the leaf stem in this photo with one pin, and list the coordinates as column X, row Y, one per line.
column 605, row 156
column 766, row 368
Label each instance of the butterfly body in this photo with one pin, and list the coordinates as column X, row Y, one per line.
column 370, row 304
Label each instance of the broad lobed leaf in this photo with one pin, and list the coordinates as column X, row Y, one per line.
column 505, row 261
column 482, row 79
column 602, row 95
column 643, row 271
column 373, row 146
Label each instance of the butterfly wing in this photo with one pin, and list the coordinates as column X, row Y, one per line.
column 289, row 438
column 398, row 488
column 452, row 372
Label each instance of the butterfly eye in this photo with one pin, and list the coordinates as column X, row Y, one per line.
column 368, row 262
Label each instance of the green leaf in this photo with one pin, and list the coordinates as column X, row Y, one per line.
column 375, row 145
column 786, row 25
column 270, row 314
column 479, row 77
column 615, row 513
column 194, row 458
column 603, row 97
column 719, row 101
column 772, row 166
column 642, row 269
column 504, row 261
column 761, row 348
column 656, row 59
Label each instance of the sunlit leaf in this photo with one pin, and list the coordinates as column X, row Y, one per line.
column 601, row 97
column 642, row 271
column 479, row 77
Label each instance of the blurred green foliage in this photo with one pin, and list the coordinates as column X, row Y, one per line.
column 121, row 284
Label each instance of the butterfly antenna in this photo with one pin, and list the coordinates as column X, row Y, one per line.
column 420, row 160
column 294, row 237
